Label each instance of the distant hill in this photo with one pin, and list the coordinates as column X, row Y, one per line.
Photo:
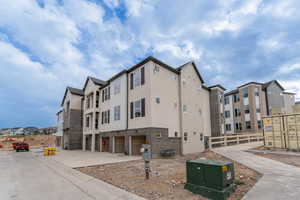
column 28, row 130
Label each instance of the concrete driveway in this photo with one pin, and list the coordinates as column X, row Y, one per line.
column 279, row 181
column 26, row 176
column 78, row 158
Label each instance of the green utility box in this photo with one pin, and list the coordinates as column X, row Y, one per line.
column 211, row 179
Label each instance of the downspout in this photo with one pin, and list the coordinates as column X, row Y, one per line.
column 127, row 91
column 180, row 112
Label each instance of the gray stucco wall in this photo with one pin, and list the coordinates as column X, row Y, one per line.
column 215, row 112
column 72, row 133
column 274, row 97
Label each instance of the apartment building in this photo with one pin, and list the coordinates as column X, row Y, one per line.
column 151, row 102
column 245, row 106
column 72, row 118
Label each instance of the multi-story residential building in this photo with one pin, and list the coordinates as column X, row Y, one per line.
column 245, row 106
column 217, row 110
column 72, row 118
column 150, row 102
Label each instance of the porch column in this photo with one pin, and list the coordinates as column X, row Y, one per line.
column 100, row 143
column 83, row 143
column 113, row 144
column 130, row 145
column 93, row 143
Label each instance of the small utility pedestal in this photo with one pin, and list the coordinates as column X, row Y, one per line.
column 211, row 179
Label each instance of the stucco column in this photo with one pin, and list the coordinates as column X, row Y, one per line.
column 113, row 144
column 93, row 143
column 83, row 143
column 130, row 145
column 100, row 143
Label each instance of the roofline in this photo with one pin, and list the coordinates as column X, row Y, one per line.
column 289, row 93
column 195, row 67
column 232, row 92
column 59, row 112
column 256, row 83
column 91, row 78
column 68, row 88
column 114, row 78
column 218, row 85
column 155, row 60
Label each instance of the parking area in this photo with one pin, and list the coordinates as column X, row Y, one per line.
column 78, row 158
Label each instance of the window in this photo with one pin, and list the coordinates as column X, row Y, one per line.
column 228, row 127
column 236, row 98
column 184, row 108
column 137, row 108
column 87, row 121
column 97, row 99
column 227, row 114
column 248, row 125
column 105, row 117
column 256, row 92
column 117, row 87
column 96, row 120
column 87, row 101
column 156, row 69
column 201, row 136
column 245, row 92
column 259, row 124
column 220, row 99
column 226, row 100
column 106, row 94
column 247, row 110
column 137, row 78
column 117, row 114
column 157, row 100
column 176, row 134
column 238, row 126
column 237, row 112
column 185, row 136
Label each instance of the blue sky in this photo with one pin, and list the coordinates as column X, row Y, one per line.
column 46, row 45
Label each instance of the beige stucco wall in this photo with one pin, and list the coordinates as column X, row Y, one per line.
column 143, row 91
column 90, row 87
column 164, row 85
column 196, row 119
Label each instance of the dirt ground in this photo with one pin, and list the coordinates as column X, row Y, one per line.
column 32, row 140
column 167, row 179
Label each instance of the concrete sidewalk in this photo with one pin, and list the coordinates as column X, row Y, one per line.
column 279, row 181
column 94, row 188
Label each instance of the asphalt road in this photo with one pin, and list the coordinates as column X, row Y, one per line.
column 23, row 177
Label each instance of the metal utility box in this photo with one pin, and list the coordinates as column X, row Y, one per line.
column 211, row 179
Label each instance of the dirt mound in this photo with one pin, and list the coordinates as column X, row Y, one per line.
column 32, row 140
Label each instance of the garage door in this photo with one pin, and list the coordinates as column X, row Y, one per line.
column 105, row 144
column 137, row 142
column 119, row 144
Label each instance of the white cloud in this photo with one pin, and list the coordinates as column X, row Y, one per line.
column 288, row 68
column 281, row 9
column 292, row 86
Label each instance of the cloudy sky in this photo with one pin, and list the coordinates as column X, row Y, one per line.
column 46, row 45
